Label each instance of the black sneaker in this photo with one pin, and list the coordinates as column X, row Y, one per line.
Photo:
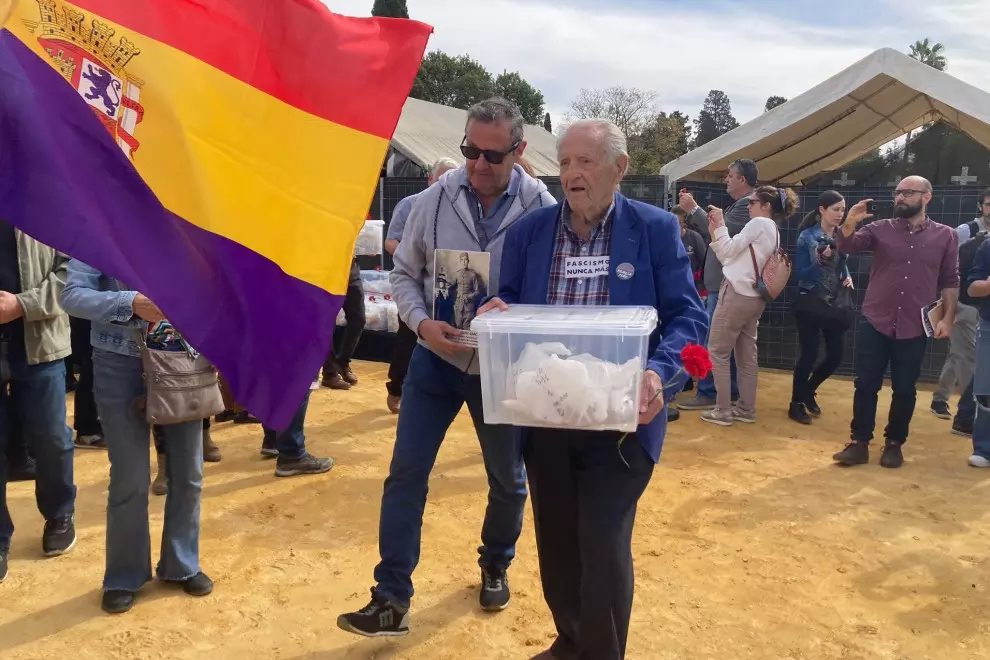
column 892, row 457
column 855, row 453
column 941, row 410
column 673, row 414
column 3, row 565
column 117, row 602
column 244, row 417
column 799, row 414
column 225, row 416
column 305, row 464
column 59, row 537
column 198, row 585
column 963, row 429
column 379, row 618
column 494, row 589
column 811, row 406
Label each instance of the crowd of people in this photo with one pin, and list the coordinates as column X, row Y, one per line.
column 700, row 268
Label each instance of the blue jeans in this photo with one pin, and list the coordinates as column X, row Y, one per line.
column 35, row 404
column 981, row 391
column 706, row 387
column 291, row 443
column 117, row 384
column 432, row 395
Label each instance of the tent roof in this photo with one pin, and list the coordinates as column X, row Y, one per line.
column 873, row 102
column 429, row 131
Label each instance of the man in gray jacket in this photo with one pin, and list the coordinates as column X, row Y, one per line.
column 468, row 210
column 34, row 341
column 740, row 181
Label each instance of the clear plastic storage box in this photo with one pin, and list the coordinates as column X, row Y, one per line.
column 568, row 367
column 370, row 239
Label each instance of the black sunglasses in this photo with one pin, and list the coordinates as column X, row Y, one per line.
column 491, row 155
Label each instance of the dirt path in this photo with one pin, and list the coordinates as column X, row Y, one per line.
column 749, row 544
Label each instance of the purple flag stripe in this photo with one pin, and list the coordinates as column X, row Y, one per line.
column 65, row 182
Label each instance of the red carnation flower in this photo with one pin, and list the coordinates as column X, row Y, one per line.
column 696, row 360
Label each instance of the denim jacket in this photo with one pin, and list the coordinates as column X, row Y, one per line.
column 89, row 294
column 809, row 271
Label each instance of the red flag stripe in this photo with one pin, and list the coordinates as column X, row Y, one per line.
column 342, row 69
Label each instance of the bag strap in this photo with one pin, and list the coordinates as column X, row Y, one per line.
column 974, row 228
column 756, row 268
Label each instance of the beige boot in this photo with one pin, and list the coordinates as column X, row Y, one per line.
column 211, row 453
column 160, row 485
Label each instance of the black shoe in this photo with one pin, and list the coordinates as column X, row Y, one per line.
column 25, row 470
column 811, row 406
column 244, row 417
column 673, row 414
column 941, row 410
column 3, row 565
column 379, row 618
column 963, row 429
column 198, row 585
column 494, row 595
column 59, row 537
column 268, row 446
column 799, row 414
column 892, row 457
column 225, row 416
column 855, row 453
column 117, row 602
column 305, row 464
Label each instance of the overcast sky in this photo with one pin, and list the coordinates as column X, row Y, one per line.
column 750, row 50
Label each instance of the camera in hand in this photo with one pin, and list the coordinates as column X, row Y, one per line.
column 826, row 242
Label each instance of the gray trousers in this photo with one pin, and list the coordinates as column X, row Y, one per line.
column 961, row 360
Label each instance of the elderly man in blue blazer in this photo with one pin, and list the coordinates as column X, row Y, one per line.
column 584, row 486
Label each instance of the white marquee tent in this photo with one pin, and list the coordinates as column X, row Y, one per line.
column 873, row 102
column 428, row 131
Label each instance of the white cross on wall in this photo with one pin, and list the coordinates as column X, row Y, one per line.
column 844, row 181
column 964, row 178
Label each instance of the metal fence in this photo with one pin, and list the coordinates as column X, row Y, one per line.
column 777, row 339
column 778, row 342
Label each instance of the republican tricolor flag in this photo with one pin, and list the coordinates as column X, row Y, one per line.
column 219, row 156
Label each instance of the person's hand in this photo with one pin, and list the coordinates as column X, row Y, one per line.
column 686, row 201
column 716, row 219
column 145, row 309
column 494, row 303
column 943, row 329
column 434, row 333
column 856, row 215
column 10, row 307
column 848, row 283
column 827, row 252
column 650, row 397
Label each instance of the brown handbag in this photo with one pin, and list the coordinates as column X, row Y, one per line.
column 772, row 279
column 181, row 386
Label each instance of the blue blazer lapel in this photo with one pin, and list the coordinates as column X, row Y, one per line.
column 626, row 236
column 539, row 254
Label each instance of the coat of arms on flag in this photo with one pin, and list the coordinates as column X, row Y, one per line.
column 87, row 55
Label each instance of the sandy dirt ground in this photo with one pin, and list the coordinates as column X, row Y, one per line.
column 749, row 544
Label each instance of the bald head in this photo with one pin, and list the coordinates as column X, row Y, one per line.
column 916, row 183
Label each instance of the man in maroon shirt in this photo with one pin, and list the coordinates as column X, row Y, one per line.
column 914, row 260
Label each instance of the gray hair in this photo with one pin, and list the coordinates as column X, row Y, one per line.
column 611, row 136
column 441, row 164
column 748, row 170
column 496, row 109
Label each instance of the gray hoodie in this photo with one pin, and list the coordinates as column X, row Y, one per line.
column 448, row 203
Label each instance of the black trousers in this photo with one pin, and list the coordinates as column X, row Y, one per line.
column 354, row 313
column 405, row 344
column 811, row 330
column 874, row 352
column 86, row 421
column 584, row 506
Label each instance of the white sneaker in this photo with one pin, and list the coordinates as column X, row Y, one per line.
column 717, row 416
column 978, row 461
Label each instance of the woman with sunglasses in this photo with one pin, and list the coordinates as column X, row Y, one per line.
column 740, row 304
column 823, row 308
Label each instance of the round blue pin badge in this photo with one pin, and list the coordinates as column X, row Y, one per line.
column 625, row 271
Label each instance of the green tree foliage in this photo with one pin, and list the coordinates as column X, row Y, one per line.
column 390, row 8
column 663, row 138
column 932, row 54
column 715, row 118
column 547, row 126
column 773, row 102
column 462, row 81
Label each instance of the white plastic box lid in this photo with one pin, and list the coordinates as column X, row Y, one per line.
column 604, row 320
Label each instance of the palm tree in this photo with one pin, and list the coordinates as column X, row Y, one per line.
column 932, row 54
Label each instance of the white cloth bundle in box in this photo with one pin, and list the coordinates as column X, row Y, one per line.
column 551, row 386
column 376, row 282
